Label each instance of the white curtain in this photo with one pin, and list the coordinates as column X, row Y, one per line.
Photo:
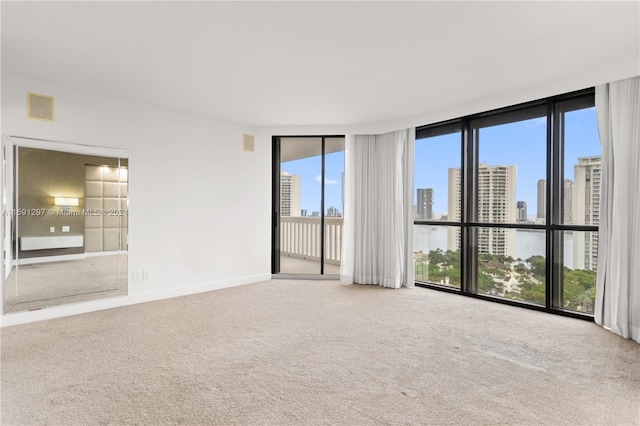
column 618, row 281
column 377, row 245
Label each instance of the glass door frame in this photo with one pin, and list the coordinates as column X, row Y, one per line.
column 275, row 206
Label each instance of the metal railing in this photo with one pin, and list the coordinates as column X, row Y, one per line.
column 300, row 237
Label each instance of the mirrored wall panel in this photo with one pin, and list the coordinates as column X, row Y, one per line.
column 65, row 217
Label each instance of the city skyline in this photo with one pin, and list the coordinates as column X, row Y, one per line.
column 521, row 143
column 310, row 171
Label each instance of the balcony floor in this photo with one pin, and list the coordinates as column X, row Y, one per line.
column 294, row 265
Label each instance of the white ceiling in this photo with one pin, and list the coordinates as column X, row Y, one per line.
column 313, row 63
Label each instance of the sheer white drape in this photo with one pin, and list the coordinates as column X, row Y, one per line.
column 618, row 282
column 377, row 245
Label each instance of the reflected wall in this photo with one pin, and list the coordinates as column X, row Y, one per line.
column 65, row 217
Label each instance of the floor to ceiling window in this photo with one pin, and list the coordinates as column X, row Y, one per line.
column 307, row 205
column 507, row 204
column 437, row 199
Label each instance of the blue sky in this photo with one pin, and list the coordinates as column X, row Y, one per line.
column 310, row 170
column 521, row 143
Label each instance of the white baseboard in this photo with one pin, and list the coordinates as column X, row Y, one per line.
column 65, row 257
column 47, row 259
column 105, row 253
column 116, row 302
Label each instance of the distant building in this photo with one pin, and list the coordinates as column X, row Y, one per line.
column 496, row 204
column 542, row 199
column 333, row 212
column 303, row 212
column 454, row 214
column 586, row 211
column 521, row 208
column 567, row 201
column 315, row 214
column 425, row 204
column 289, row 194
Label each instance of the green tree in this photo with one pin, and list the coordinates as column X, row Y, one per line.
column 538, row 266
column 579, row 289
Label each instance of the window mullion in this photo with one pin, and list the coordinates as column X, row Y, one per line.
column 469, row 207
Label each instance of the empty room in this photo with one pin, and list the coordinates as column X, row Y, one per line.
column 320, row 212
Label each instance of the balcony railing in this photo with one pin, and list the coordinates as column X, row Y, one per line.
column 300, row 237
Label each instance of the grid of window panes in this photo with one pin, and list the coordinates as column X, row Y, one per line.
column 522, row 185
column 437, row 200
column 512, row 160
column 579, row 183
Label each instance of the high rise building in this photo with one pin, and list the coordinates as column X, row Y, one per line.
column 333, row 212
column 586, row 211
column 542, row 200
column 425, row 204
column 496, row 204
column 453, row 208
column 567, row 201
column 521, row 207
column 289, row 194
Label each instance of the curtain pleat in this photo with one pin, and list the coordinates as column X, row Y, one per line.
column 618, row 280
column 378, row 236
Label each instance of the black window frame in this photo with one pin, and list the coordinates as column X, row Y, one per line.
column 554, row 108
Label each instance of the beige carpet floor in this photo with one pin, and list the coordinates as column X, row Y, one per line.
column 294, row 265
column 289, row 352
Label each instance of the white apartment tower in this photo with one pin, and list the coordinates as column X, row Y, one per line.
column 585, row 210
column 289, row 194
column 542, row 201
column 453, row 209
column 496, row 204
column 567, row 202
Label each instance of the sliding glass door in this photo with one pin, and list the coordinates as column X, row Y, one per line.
column 307, row 204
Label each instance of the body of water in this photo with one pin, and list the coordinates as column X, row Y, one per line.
column 527, row 243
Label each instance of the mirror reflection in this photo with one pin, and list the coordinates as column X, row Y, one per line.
column 65, row 220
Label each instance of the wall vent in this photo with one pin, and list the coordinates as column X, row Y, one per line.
column 40, row 107
column 248, row 143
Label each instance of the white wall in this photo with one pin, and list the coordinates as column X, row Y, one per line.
column 199, row 205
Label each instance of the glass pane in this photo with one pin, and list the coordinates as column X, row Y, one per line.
column 582, row 168
column 300, row 205
column 511, row 263
column 437, row 178
column 334, row 203
column 437, row 254
column 71, row 229
column 579, row 273
column 511, row 172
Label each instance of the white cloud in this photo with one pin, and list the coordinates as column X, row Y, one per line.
column 327, row 181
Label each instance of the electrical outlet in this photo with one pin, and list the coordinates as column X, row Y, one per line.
column 65, row 229
column 52, row 229
column 145, row 274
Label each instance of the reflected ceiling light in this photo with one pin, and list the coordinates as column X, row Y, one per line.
column 65, row 202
